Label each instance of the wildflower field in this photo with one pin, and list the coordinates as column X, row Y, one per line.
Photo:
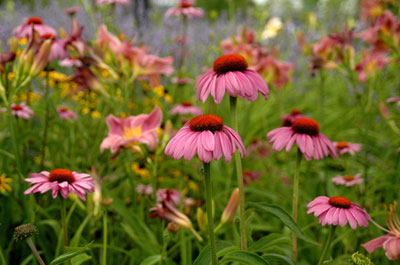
column 208, row 132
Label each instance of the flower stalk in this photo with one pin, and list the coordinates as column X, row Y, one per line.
column 327, row 244
column 296, row 181
column 208, row 190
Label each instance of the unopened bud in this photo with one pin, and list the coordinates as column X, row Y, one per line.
column 231, row 207
column 201, row 219
column 25, row 231
column 41, row 58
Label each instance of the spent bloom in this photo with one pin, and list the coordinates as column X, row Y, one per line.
column 348, row 180
column 25, row 231
column 167, row 210
column 33, row 24
column 305, row 132
column 168, row 195
column 66, row 113
column 62, row 180
column 391, row 241
column 4, row 183
column 338, row 211
column 343, row 147
column 230, row 74
column 131, row 131
column 185, row 9
column 207, row 136
column 185, row 108
column 20, row 110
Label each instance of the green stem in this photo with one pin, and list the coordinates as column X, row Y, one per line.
column 219, row 226
column 64, row 223
column 105, row 232
column 34, row 250
column 182, row 237
column 327, row 244
column 208, row 189
column 239, row 172
column 46, row 122
column 296, row 181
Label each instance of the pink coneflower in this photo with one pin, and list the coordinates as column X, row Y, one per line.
column 230, row 74
column 185, row 108
column 347, row 147
column 66, row 114
column 391, row 241
column 20, row 110
column 33, row 23
column 132, row 131
column 207, row 136
column 348, row 180
column 116, row 2
column 338, row 211
column 69, row 62
column 185, row 9
column 260, row 147
column 288, row 119
column 71, row 11
column 61, row 180
column 144, row 189
column 168, row 195
column 305, row 132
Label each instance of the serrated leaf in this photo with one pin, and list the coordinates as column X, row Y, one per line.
column 268, row 241
column 204, row 257
column 279, row 259
column 284, row 217
column 244, row 257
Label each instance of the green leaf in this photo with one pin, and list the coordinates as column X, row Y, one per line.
column 267, row 242
column 244, row 257
column 279, row 259
column 78, row 233
column 81, row 258
column 284, row 217
column 68, row 256
column 204, row 257
column 151, row 260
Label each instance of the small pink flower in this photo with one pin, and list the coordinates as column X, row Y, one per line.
column 260, row 147
column 66, row 114
column 144, row 189
column 249, row 175
column 72, row 10
column 305, row 132
column 372, row 61
column 167, row 210
column 58, row 47
column 61, row 180
column 116, row 2
column 288, row 119
column 33, row 23
column 69, row 62
column 207, row 136
column 394, row 99
column 348, row 180
column 20, row 110
column 168, row 195
column 132, row 131
column 391, row 241
column 186, row 108
column 338, row 211
column 347, row 147
column 230, row 74
column 182, row 81
column 185, row 9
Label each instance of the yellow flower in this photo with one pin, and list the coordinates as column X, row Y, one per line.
column 272, row 28
column 23, row 41
column 96, row 114
column 140, row 170
column 3, row 183
column 159, row 91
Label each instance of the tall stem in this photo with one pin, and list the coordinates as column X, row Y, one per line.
column 296, row 181
column 64, row 222
column 181, row 61
column 327, row 244
column 46, row 122
column 207, row 184
column 105, row 232
column 239, row 172
column 34, row 250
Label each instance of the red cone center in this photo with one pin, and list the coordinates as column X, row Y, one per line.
column 61, row 175
column 306, row 126
column 16, row 107
column 206, row 122
column 340, row 202
column 229, row 63
column 187, row 104
column 185, row 5
column 48, row 36
column 296, row 112
column 34, row 20
column 348, row 178
column 342, row 145
column 62, row 109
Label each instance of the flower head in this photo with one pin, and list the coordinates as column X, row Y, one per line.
column 33, row 23
column 230, row 74
column 62, row 180
column 249, row 175
column 4, row 183
column 168, row 195
column 288, row 119
column 144, row 189
column 25, row 231
column 186, row 108
column 131, row 131
column 305, row 132
column 207, row 136
column 338, row 211
column 20, row 110
column 347, row 147
column 66, row 114
column 391, row 241
column 168, row 211
column 186, row 9
column 348, row 180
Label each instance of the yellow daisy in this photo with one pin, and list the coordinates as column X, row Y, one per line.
column 3, row 183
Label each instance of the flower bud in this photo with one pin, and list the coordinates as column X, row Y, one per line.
column 231, row 207
column 201, row 219
column 41, row 58
column 24, row 231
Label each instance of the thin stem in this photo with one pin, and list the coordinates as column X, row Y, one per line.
column 34, row 250
column 64, row 223
column 327, row 244
column 196, row 235
column 105, row 232
column 239, row 172
column 219, row 226
column 182, row 237
column 296, row 181
column 46, row 122
column 207, row 184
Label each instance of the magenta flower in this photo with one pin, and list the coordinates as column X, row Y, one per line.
column 288, row 119
column 168, row 211
column 66, row 114
column 372, row 61
column 338, row 211
column 185, row 9
column 168, row 195
column 20, row 110
column 69, row 62
column 346, row 147
column 348, row 180
column 144, row 189
column 186, row 108
column 61, row 180
column 305, row 132
column 230, row 74
column 249, row 175
column 391, row 241
column 207, row 136
column 132, row 131
column 71, row 11
column 33, row 23
column 260, row 147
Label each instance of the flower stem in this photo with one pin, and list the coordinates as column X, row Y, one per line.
column 327, row 244
column 46, row 122
column 34, row 250
column 296, row 181
column 207, row 184
column 105, row 232
column 239, row 172
column 64, row 223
